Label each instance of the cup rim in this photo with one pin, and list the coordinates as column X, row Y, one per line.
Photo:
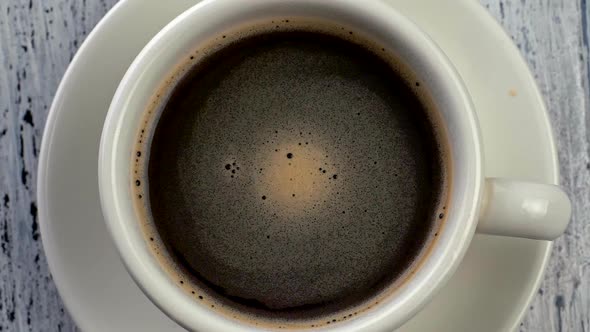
column 115, row 152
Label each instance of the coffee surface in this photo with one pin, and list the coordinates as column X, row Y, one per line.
column 293, row 174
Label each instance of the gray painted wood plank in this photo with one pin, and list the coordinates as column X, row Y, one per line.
column 37, row 41
column 39, row 38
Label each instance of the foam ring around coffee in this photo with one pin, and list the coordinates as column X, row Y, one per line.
column 290, row 174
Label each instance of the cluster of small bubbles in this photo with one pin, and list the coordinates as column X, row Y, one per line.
column 233, row 168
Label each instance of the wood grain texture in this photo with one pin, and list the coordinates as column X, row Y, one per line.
column 39, row 38
column 37, row 41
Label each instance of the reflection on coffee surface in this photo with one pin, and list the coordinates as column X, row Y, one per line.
column 292, row 175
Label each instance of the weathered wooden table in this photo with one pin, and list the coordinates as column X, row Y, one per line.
column 39, row 38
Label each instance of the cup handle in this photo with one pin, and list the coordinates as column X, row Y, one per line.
column 524, row 209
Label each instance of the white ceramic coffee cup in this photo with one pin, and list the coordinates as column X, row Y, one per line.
column 492, row 206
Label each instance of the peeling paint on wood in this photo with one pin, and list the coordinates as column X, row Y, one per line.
column 37, row 41
column 39, row 38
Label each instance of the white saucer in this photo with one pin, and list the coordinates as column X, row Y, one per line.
column 493, row 286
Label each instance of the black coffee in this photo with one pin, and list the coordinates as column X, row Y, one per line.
column 293, row 175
